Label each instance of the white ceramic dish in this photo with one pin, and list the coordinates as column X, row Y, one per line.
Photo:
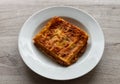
column 44, row 66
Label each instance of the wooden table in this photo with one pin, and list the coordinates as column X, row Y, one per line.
column 13, row 14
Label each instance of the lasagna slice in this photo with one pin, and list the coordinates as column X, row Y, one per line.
column 62, row 41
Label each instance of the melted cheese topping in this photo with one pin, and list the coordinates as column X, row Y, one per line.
column 62, row 39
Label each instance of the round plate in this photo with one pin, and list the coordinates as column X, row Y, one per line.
column 46, row 67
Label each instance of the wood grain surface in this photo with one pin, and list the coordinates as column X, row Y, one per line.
column 13, row 13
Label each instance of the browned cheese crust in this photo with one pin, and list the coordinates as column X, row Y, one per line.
column 62, row 41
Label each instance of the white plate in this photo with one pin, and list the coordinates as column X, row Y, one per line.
column 44, row 66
